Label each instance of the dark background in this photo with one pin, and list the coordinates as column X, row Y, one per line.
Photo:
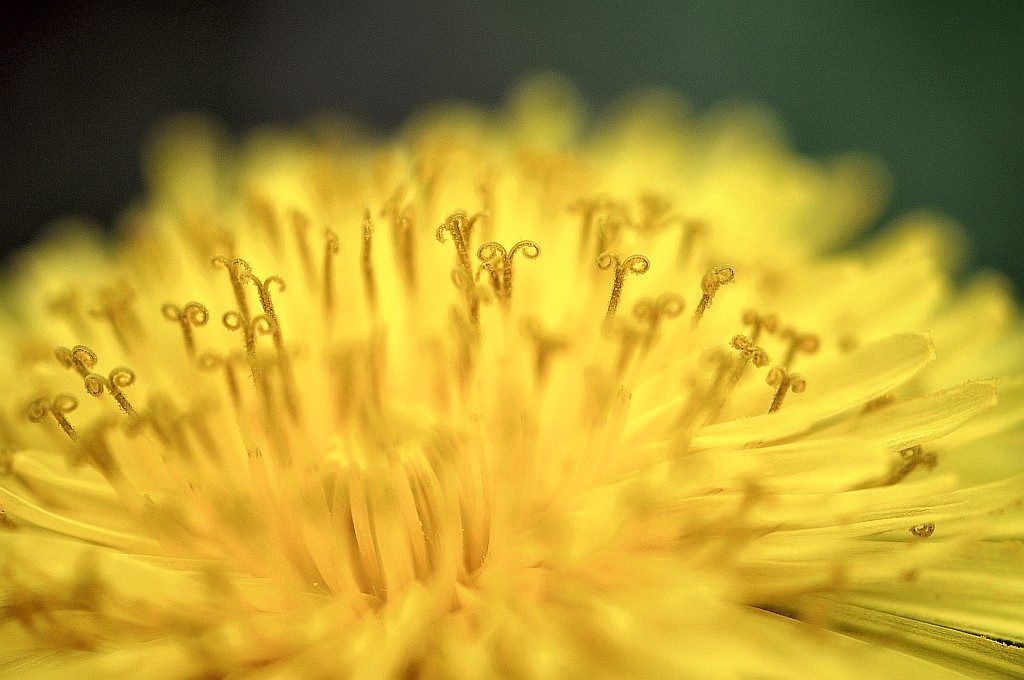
column 935, row 90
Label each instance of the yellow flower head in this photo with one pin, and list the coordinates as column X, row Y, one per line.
column 511, row 395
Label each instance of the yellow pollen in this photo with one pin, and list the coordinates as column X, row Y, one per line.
column 236, row 269
column 300, row 226
column 706, row 397
column 79, row 357
column 653, row 312
column 250, row 328
column 363, row 471
column 456, row 225
column 486, row 191
column 715, row 278
column 910, row 459
column 115, row 306
column 609, row 228
column 690, row 232
column 404, row 237
column 264, row 290
column 634, row 264
column 655, row 213
column 923, row 530
column 261, row 210
column 630, row 336
column 547, row 343
column 760, row 322
column 192, row 314
column 118, row 379
column 784, row 382
column 749, row 354
column 806, row 343
column 332, row 246
column 56, row 407
column 214, row 362
column 588, row 210
column 366, row 260
column 474, row 293
column 69, row 307
column 498, row 262
column 471, row 223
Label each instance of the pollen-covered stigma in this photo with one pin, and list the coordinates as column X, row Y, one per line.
column 512, row 394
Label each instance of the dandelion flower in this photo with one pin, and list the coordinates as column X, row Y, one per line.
column 511, row 395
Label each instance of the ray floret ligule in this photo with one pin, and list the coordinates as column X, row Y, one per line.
column 501, row 398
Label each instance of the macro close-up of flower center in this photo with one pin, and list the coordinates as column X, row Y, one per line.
column 514, row 393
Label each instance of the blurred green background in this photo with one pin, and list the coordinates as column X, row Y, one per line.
column 934, row 89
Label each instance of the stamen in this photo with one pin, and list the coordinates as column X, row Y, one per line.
column 390, row 208
column 917, row 454
column 284, row 361
column 784, row 382
column 118, row 379
column 68, row 306
column 691, row 232
column 196, row 419
column 705, row 396
column 634, row 264
column 728, row 372
column 300, row 225
column 609, row 229
column 332, row 246
column 428, row 176
column 456, row 226
column 655, row 213
column 263, row 214
column 93, row 448
column 750, row 353
column 588, row 209
column 250, row 329
column 474, row 293
column 653, row 312
column 494, row 275
column 192, row 314
column 760, row 322
column 470, row 226
column 57, row 407
column 168, row 423
column 910, row 459
column 236, row 269
column 405, row 240
column 630, row 338
column 808, row 343
column 369, row 280
column 715, row 278
column 923, row 530
column 547, row 344
column 115, row 306
column 601, row 221
column 263, row 289
column 722, row 364
column 213, row 362
column 488, row 198
column 499, row 263
column 466, row 338
column 79, row 357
